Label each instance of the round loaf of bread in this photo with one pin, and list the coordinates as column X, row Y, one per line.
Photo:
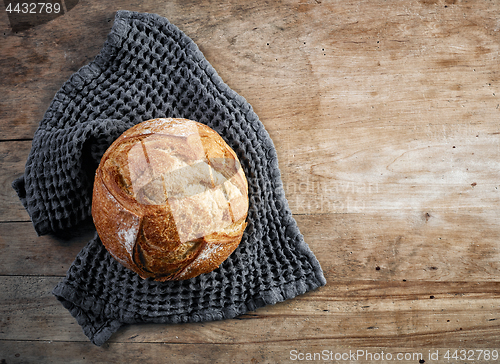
column 170, row 199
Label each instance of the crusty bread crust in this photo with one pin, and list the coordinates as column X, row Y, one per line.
column 170, row 199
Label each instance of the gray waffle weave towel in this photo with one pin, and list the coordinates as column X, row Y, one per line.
column 148, row 69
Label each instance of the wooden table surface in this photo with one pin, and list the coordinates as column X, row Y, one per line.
column 385, row 116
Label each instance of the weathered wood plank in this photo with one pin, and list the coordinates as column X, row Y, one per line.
column 329, row 64
column 342, row 315
column 332, row 63
column 26, row 254
column 361, row 169
column 254, row 353
column 13, row 156
column 368, row 169
column 37, row 62
column 430, row 246
column 355, row 313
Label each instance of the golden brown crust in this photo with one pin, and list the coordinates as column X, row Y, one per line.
column 170, row 199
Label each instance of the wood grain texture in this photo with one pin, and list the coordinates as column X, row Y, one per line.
column 26, row 254
column 385, row 116
column 379, row 311
column 13, row 157
column 215, row 353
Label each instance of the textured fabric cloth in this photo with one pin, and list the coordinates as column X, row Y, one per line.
column 148, row 69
